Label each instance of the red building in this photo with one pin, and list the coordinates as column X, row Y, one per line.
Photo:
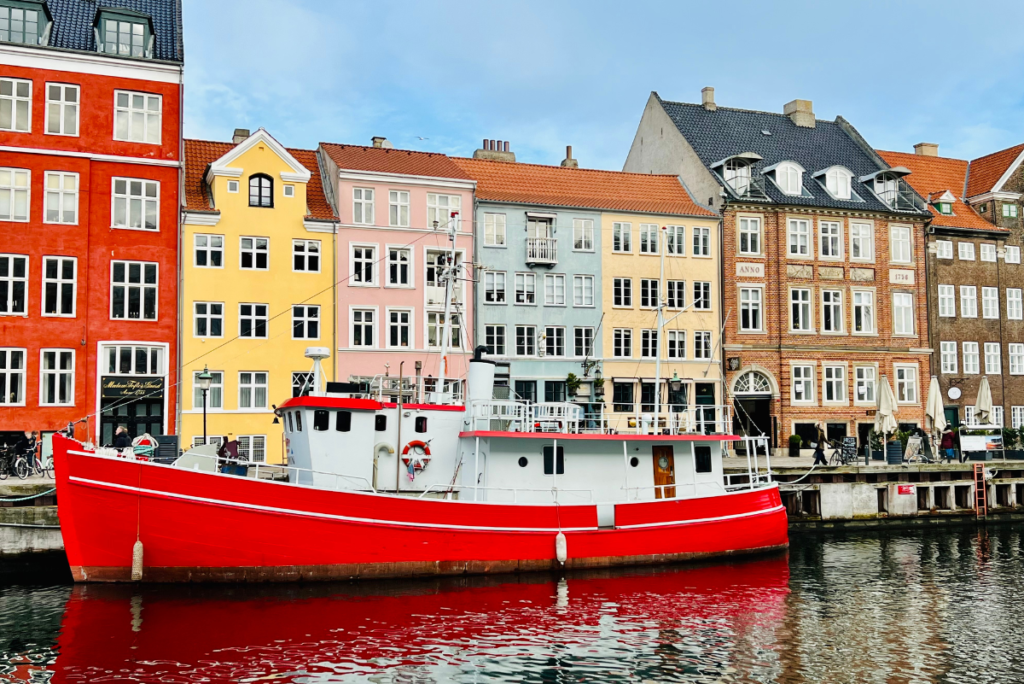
column 90, row 150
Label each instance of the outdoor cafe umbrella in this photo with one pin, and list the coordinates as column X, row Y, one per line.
column 934, row 410
column 885, row 420
column 983, row 404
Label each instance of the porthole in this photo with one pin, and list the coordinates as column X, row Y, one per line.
column 634, row 461
column 523, row 462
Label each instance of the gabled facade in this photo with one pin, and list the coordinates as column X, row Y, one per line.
column 823, row 268
column 257, row 277
column 89, row 179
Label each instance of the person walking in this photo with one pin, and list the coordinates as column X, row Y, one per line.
column 819, row 448
column 947, row 445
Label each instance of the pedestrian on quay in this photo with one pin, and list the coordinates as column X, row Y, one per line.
column 121, row 438
column 819, row 448
column 946, row 444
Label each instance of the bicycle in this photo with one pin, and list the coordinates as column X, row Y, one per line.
column 23, row 467
column 836, row 457
column 6, row 462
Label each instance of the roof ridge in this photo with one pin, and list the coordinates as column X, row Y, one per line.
column 385, row 149
column 992, row 154
column 570, row 168
column 923, row 156
column 740, row 109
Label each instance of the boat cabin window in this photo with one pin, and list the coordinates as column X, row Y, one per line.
column 298, row 421
column 344, row 421
column 421, row 424
column 634, row 461
column 523, row 462
column 549, row 465
column 380, row 423
column 702, row 458
column 288, row 421
column 321, row 420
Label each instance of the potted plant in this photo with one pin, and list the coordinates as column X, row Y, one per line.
column 572, row 385
column 1011, row 444
column 598, row 386
column 794, row 445
column 877, row 451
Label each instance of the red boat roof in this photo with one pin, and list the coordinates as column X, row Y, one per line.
column 562, row 436
column 359, row 404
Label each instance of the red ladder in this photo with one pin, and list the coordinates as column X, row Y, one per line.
column 980, row 491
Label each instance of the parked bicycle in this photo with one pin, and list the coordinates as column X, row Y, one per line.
column 32, row 464
column 6, row 461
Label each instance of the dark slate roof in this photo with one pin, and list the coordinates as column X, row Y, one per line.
column 717, row 135
column 73, row 22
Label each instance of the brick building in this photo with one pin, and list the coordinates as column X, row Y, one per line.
column 975, row 277
column 823, row 262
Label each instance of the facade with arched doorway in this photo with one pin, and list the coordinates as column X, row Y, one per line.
column 754, row 391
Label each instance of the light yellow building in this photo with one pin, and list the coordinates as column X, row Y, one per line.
column 257, row 286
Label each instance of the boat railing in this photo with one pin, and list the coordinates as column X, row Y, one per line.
column 673, row 419
column 736, row 481
column 506, row 415
column 555, row 416
column 555, row 492
column 270, row 470
column 665, row 491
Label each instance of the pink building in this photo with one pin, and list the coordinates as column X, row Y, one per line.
column 395, row 206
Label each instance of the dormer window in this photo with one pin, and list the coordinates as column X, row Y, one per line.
column 21, row 22
column 944, row 208
column 737, row 172
column 789, row 176
column 737, row 175
column 124, row 34
column 890, row 187
column 942, row 202
column 837, row 181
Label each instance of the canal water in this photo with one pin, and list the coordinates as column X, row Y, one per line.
column 915, row 606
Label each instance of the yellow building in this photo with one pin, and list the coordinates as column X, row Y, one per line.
column 257, row 286
column 635, row 247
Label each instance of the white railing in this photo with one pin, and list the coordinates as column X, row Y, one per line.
column 566, row 417
column 269, row 470
column 674, row 419
column 552, row 416
column 506, row 415
column 542, row 250
column 553, row 493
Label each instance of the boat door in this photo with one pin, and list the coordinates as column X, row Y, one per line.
column 664, row 472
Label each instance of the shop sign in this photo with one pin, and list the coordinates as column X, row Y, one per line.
column 905, row 490
column 122, row 386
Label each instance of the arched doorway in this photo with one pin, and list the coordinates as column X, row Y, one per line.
column 752, row 405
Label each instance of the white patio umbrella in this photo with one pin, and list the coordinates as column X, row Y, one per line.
column 934, row 409
column 983, row 404
column 885, row 419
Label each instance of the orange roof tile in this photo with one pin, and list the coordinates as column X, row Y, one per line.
column 199, row 154
column 385, row 160
column 567, row 187
column 932, row 176
column 986, row 171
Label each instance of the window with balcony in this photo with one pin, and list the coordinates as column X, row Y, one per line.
column 133, row 290
column 540, row 241
column 737, row 174
column 137, row 117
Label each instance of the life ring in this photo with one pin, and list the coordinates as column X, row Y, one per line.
column 419, row 463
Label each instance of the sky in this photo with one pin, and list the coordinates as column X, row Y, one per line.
column 441, row 76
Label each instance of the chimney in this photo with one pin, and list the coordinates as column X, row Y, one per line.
column 569, row 162
column 240, row 135
column 800, row 112
column 381, row 141
column 707, row 98
column 927, row 149
column 495, row 150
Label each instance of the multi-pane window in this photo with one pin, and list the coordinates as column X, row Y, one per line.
column 59, row 285
column 133, row 290
column 306, row 255
column 943, row 249
column 701, row 241
column 15, row 105
column 252, row 448
column 136, row 204
column 648, row 293
column 750, row 235
column 837, row 182
column 702, row 295
column 261, row 190
column 702, row 344
column 305, row 322
column 675, row 240
column 621, row 237
column 972, row 361
column 969, row 416
column 61, row 197
column 622, row 343
column 1012, row 254
column 834, row 382
column 19, row 25
column 137, row 117
column 209, row 251
column 364, row 259
column 57, row 377
column 1009, row 210
column 831, row 236
column 14, row 190
column 398, row 208
column 803, row 384
column 399, row 329
column 800, row 309
column 1016, row 353
column 61, row 107
column 675, row 294
column 252, row 389
column 863, row 311
column 584, row 342
column 969, row 301
column 302, row 382
column 900, row 245
column 948, row 357
column 622, row 397
column 903, row 313
column 440, row 209
column 750, row 308
column 676, row 344
column 583, row 234
column 832, row 310
column 526, row 288
column 1014, row 308
column 622, row 292
column 648, row 238
column 990, row 302
column 988, row 251
column 583, row 290
column 526, row 340
column 1016, row 417
column 254, row 253
column 965, row 250
column 252, row 320
column 362, row 206
column 993, row 358
column 947, row 301
column 864, row 384
column 554, row 290
column 648, row 343
column 494, row 230
column 363, row 334
column 494, row 339
column 799, row 239
column 494, row 287
column 124, row 38
column 399, row 261
column 209, row 319
column 435, row 330
column 214, row 395
column 135, row 360
column 554, row 340
column 997, row 415
column 906, row 384
column 862, row 242
column 12, row 377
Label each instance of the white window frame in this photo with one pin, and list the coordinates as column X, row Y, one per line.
column 1016, row 356
column 303, row 318
column 252, row 448
column 554, row 341
column 987, row 252
column 304, row 254
column 255, row 251
column 790, row 179
column 801, row 321
column 409, row 325
column 398, row 200
column 798, row 239
column 701, row 242
column 648, row 343
column 903, row 310
column 751, row 305
column 622, row 343
column 675, row 240
column 993, row 358
column 216, row 390
column 587, row 339
column 702, row 302
column 650, row 238
column 233, row 187
column 901, row 245
column 14, row 98
column 62, row 105
column 208, row 248
column 854, row 306
column 650, row 290
column 254, row 318
column 583, row 235
column 965, row 251
column 364, row 203
column 972, row 358
column 990, row 302
column 1012, row 254
column 129, row 110
column 253, row 386
column 529, row 346
column 373, row 325
column 491, row 338
column 20, row 185
column 837, row 183
column 355, row 263
column 676, row 341
column 18, row 374
column 949, row 361
column 968, row 301
column 581, row 284
column 862, row 239
column 129, row 198
column 802, row 375
column 749, row 228
column 1014, row 304
column 838, row 319
column 58, row 373
column 142, row 285
column 833, row 376
column 394, row 258
column 494, row 230
column 438, row 324
column 830, row 233
column 625, row 292
column 947, row 301
column 60, row 193
column 943, row 249
column 59, row 282
column 495, row 287
column 702, row 345
column 622, row 237
column 1017, row 417
column 452, row 204
column 529, row 283
column 209, row 317
column 554, row 289
column 866, row 378
column 908, row 386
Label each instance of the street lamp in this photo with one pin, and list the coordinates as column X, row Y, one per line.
column 205, row 379
column 675, row 383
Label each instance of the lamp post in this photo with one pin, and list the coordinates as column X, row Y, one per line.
column 204, row 379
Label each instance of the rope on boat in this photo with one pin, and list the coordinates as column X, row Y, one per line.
column 28, row 498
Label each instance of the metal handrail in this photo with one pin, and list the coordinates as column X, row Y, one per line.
column 449, row 488
column 257, row 464
column 542, row 249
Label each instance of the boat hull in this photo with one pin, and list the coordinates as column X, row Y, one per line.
column 209, row 527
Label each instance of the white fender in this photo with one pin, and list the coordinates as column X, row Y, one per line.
column 137, row 561
column 561, row 548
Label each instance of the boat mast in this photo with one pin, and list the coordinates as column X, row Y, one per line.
column 449, row 273
column 658, row 334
